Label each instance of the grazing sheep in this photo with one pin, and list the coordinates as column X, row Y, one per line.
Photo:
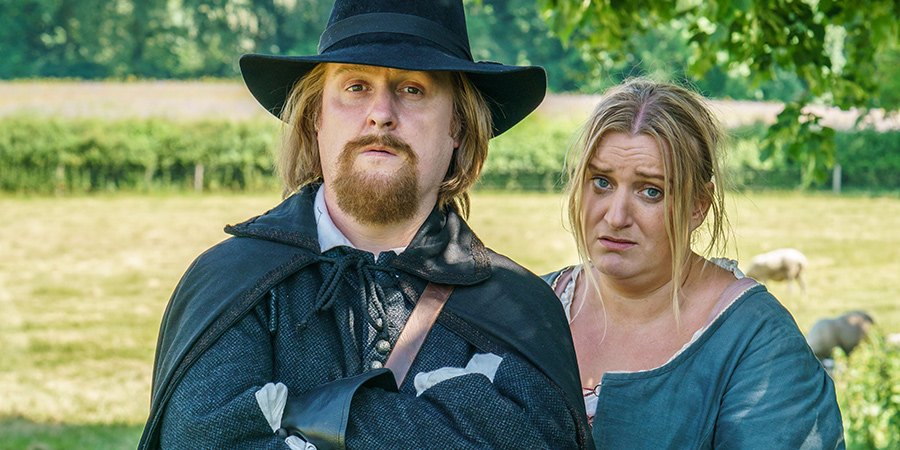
column 779, row 265
column 846, row 332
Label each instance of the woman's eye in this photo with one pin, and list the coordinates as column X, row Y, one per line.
column 601, row 183
column 355, row 88
column 412, row 90
column 653, row 193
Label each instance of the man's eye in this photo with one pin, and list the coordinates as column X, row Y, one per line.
column 412, row 90
column 356, row 88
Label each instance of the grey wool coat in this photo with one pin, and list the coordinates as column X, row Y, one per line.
column 267, row 306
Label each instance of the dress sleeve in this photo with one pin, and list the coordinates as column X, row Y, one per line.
column 520, row 409
column 779, row 396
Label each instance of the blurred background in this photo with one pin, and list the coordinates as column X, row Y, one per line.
column 127, row 141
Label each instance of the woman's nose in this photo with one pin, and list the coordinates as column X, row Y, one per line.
column 618, row 215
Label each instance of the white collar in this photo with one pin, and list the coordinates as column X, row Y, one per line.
column 329, row 234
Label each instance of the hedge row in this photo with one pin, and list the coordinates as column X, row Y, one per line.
column 869, row 160
column 40, row 155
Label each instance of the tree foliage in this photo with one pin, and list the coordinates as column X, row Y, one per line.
column 512, row 32
column 91, row 39
column 835, row 49
column 203, row 38
column 150, row 38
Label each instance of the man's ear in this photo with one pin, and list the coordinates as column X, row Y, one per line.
column 701, row 208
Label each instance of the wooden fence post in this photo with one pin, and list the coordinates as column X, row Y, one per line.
column 198, row 178
column 836, row 179
column 60, row 187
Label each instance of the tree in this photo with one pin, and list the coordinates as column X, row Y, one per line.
column 512, row 32
column 60, row 38
column 834, row 48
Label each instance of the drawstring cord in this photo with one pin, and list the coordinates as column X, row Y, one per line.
column 333, row 277
column 376, row 293
column 336, row 271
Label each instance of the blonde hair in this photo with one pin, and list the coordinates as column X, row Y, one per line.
column 680, row 121
column 298, row 161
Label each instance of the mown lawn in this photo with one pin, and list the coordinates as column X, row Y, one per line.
column 84, row 282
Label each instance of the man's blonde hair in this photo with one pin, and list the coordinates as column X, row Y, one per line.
column 299, row 164
column 688, row 136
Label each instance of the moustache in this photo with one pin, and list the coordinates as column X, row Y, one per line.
column 387, row 140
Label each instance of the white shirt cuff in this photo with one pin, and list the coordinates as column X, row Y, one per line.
column 483, row 363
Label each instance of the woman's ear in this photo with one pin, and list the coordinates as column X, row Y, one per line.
column 701, row 207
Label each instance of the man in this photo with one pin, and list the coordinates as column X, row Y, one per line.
column 281, row 332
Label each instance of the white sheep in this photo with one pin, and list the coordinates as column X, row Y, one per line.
column 844, row 332
column 779, row 265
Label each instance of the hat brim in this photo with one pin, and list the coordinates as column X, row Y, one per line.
column 511, row 92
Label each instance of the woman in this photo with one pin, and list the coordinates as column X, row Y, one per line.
column 674, row 350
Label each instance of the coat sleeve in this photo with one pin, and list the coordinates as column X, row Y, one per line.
column 520, row 409
column 213, row 406
column 779, row 396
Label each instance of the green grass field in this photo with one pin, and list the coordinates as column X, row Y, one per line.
column 84, row 282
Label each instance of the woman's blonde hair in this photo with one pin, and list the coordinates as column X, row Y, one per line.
column 688, row 136
column 299, row 164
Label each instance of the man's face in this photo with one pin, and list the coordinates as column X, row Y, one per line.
column 384, row 140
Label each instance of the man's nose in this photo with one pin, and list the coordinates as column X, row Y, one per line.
column 382, row 112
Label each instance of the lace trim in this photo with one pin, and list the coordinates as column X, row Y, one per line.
column 569, row 293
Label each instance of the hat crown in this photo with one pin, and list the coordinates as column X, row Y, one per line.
column 415, row 35
column 442, row 22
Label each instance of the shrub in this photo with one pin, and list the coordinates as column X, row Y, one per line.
column 47, row 155
column 41, row 155
column 870, row 160
column 530, row 156
column 868, row 386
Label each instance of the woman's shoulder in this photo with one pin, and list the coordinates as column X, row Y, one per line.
column 745, row 297
column 758, row 313
column 754, row 331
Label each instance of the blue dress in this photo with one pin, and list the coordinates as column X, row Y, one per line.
column 748, row 381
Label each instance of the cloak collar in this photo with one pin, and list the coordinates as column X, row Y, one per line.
column 444, row 250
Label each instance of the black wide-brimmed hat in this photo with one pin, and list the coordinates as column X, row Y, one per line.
column 421, row 35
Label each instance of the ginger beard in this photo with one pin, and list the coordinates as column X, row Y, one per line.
column 374, row 198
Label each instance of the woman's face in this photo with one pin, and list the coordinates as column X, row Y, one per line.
column 624, row 210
